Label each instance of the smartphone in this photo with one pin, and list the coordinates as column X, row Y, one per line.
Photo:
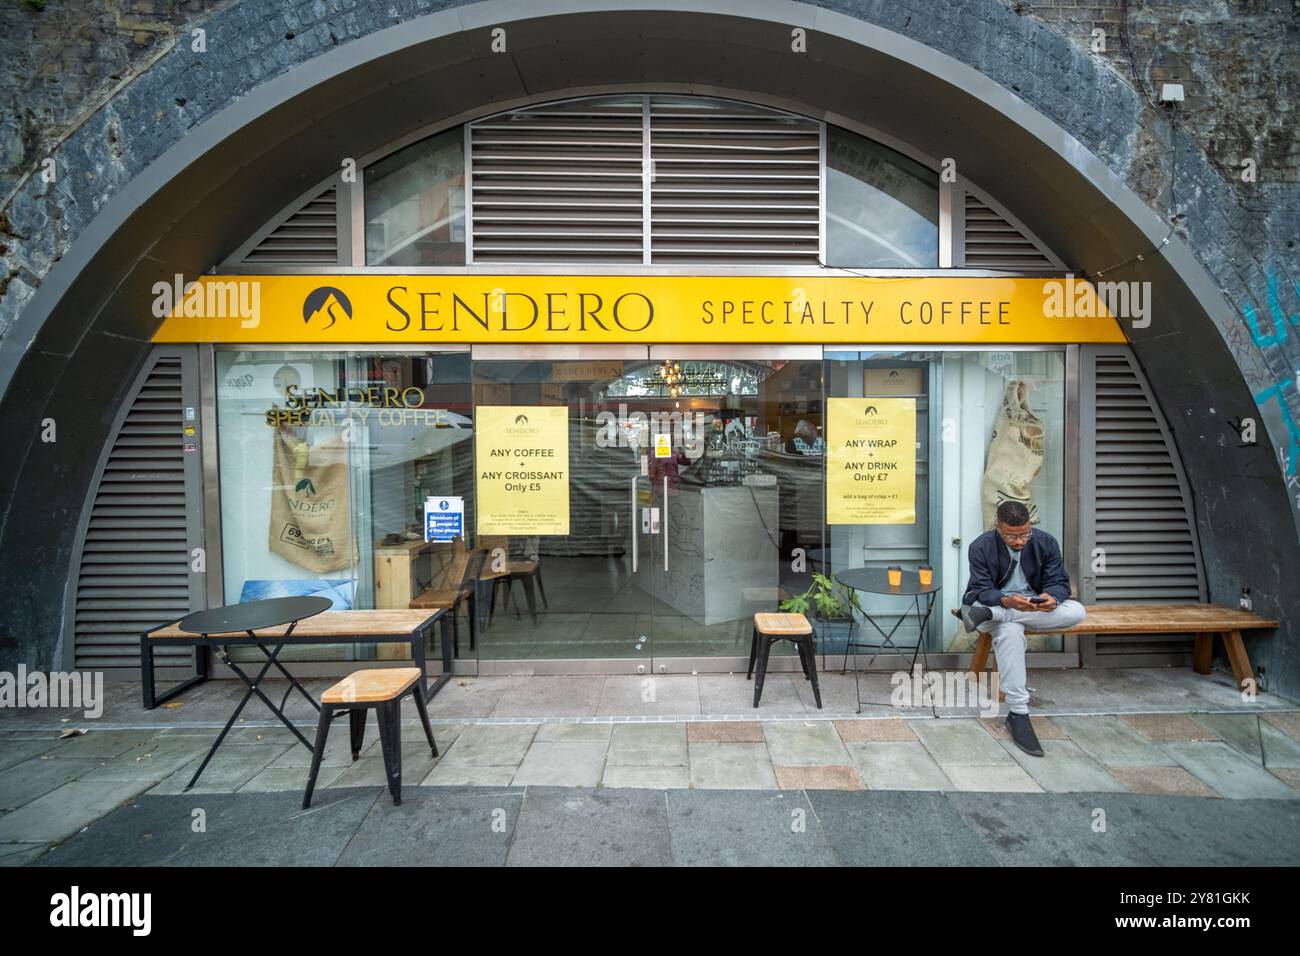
column 1038, row 600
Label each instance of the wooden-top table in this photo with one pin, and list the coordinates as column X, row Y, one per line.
column 329, row 627
column 288, row 621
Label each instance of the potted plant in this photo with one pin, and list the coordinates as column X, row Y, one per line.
column 832, row 606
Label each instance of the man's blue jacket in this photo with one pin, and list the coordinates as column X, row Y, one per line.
column 990, row 567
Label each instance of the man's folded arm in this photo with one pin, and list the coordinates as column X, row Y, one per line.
column 1056, row 580
column 983, row 585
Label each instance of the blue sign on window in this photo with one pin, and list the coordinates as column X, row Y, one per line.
column 444, row 518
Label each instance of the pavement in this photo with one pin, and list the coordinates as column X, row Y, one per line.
column 532, row 771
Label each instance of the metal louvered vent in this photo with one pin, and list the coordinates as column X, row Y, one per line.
column 309, row 235
column 732, row 183
column 992, row 242
column 134, row 571
column 1141, row 513
column 559, row 183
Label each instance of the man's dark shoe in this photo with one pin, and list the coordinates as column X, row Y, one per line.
column 1022, row 732
column 972, row 617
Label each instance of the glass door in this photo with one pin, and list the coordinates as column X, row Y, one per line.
column 571, row 594
column 733, row 487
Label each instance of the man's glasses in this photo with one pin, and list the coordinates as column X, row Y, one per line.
column 1015, row 537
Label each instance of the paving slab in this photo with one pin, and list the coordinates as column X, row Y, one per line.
column 1228, row 771
column 490, row 745
column 1064, row 768
column 897, row 765
column 561, row 731
column 468, row 775
column 731, row 766
column 1042, row 830
column 20, row 854
column 99, row 743
column 735, row 731
column 62, row 812
column 1289, row 724
column 869, row 828
column 1256, row 738
column 1113, row 743
column 468, row 697
column 893, row 728
column 281, row 779
column 673, row 695
column 23, row 783
column 728, row 828
column 992, row 778
column 1162, row 727
column 1193, row 831
column 793, row 743
column 1240, row 731
column 562, row 764
column 960, row 742
column 732, row 694
column 437, row 827
column 1165, row 781
column 646, row 778
column 14, row 750
column 239, row 829
column 153, row 761
column 828, row 777
column 230, row 768
column 560, row 696
column 648, row 745
column 1288, row 776
column 565, row 827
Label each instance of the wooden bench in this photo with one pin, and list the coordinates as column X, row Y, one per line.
column 1202, row 620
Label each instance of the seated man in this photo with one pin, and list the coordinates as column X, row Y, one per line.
column 1017, row 583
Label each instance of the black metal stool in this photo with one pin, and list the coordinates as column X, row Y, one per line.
column 379, row 690
column 770, row 627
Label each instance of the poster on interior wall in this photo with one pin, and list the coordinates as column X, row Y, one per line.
column 871, row 461
column 310, row 513
column 522, row 459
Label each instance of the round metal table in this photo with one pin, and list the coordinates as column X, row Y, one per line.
column 254, row 615
column 249, row 618
column 876, row 581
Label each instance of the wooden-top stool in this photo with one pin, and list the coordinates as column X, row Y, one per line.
column 380, row 690
column 773, row 626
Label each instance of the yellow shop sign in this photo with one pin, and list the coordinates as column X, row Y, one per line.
column 413, row 309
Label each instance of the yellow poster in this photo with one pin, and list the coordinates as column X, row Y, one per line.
column 871, row 461
column 523, row 469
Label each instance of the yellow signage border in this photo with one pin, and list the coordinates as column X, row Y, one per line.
column 396, row 310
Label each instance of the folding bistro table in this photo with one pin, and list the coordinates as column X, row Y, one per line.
column 284, row 621
column 876, row 581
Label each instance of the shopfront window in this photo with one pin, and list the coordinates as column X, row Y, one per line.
column 882, row 208
column 985, row 425
column 326, row 461
column 415, row 204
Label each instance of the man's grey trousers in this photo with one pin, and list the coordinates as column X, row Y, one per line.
column 1008, row 629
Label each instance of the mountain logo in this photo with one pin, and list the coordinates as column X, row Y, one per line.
column 521, row 419
column 327, row 303
column 871, row 410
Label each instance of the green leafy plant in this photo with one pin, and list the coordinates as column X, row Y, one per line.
column 827, row 599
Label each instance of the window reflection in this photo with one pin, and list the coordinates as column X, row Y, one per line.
column 882, row 208
column 415, row 204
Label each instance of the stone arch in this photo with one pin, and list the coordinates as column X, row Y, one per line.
column 1050, row 126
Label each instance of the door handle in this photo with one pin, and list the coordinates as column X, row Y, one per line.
column 633, row 527
column 665, row 522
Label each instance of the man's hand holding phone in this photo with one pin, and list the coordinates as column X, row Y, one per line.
column 1044, row 602
column 1018, row 602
